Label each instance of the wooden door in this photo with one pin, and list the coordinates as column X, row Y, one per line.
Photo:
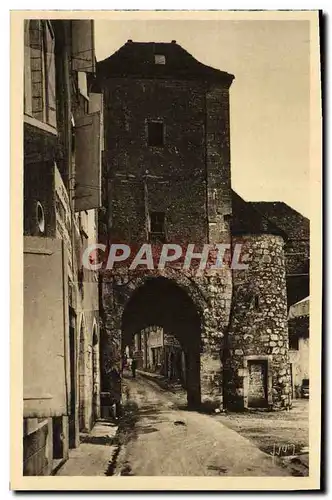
column 257, row 394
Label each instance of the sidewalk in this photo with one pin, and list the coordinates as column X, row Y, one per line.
column 95, row 455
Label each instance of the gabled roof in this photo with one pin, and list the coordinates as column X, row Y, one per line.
column 294, row 224
column 136, row 60
column 247, row 220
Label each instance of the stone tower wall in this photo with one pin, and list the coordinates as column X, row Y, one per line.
column 258, row 329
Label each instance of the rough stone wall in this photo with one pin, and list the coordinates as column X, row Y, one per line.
column 218, row 163
column 258, row 328
column 176, row 171
column 297, row 270
column 39, row 187
column 300, row 365
column 211, row 295
column 297, row 247
column 188, row 179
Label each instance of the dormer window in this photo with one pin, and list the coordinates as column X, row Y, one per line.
column 159, row 59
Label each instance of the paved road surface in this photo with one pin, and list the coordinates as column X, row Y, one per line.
column 167, row 440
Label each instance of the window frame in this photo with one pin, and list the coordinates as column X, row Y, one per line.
column 43, row 115
column 158, row 58
column 157, row 235
column 163, row 132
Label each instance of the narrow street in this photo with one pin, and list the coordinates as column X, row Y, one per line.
column 162, row 438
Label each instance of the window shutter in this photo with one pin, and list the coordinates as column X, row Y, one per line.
column 50, row 76
column 87, row 162
column 27, row 70
column 36, row 61
column 83, row 84
column 83, row 51
column 46, row 351
column 96, row 104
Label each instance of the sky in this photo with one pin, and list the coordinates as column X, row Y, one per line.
column 269, row 98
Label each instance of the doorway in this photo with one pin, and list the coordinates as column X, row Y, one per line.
column 257, row 390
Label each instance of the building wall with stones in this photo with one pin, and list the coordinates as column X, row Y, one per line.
column 297, row 248
column 188, row 179
column 258, row 328
column 299, row 351
column 211, row 298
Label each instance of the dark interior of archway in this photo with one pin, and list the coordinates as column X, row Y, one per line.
column 162, row 302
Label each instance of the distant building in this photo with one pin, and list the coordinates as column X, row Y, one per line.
column 298, row 326
column 62, row 151
column 160, row 352
column 167, row 178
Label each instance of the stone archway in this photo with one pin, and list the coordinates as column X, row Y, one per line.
column 161, row 301
column 210, row 297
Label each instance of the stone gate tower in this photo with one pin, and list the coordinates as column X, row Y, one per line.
column 167, row 178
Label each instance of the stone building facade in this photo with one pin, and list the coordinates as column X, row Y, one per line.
column 299, row 342
column 62, row 135
column 167, row 178
column 160, row 352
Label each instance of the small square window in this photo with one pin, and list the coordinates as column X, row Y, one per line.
column 155, row 134
column 159, row 59
column 157, row 226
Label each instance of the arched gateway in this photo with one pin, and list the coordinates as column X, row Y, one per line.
column 166, row 320
column 174, row 348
